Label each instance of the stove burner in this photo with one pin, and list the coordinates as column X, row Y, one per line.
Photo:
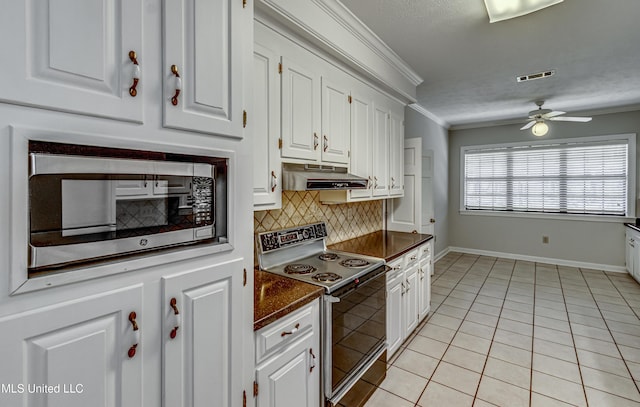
column 328, row 256
column 299, row 269
column 354, row 263
column 326, row 277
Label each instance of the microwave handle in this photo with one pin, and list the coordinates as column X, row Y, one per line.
column 73, row 164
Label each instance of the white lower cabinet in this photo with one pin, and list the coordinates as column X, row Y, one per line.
column 201, row 336
column 288, row 360
column 633, row 253
column 408, row 295
column 80, row 353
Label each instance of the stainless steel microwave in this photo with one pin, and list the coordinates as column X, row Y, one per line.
column 89, row 204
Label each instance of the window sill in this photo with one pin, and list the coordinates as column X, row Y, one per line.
column 553, row 216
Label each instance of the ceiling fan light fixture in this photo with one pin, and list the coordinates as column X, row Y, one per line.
column 540, row 129
column 500, row 10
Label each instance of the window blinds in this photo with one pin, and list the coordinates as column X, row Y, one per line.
column 568, row 177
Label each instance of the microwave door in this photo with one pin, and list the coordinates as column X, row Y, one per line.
column 88, row 206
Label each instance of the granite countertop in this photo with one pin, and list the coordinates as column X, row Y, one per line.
column 383, row 244
column 276, row 296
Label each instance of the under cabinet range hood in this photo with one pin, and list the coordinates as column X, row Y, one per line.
column 310, row 177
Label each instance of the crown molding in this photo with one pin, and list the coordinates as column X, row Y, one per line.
column 420, row 109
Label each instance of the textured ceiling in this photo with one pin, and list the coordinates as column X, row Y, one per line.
column 469, row 66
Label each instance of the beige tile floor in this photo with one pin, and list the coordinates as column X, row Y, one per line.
column 515, row 333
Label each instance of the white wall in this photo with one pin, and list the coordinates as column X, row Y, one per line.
column 434, row 137
column 599, row 243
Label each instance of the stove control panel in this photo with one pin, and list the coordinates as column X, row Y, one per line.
column 288, row 237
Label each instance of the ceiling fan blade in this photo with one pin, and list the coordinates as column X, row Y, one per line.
column 553, row 114
column 528, row 125
column 571, row 119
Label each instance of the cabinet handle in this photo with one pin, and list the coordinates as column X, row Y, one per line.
column 402, row 291
column 135, row 75
column 393, row 183
column 313, row 360
column 413, row 257
column 274, row 183
column 375, row 182
column 408, row 285
column 175, row 318
column 294, row 330
column 178, row 85
column 315, row 141
column 326, row 143
column 370, row 184
column 136, row 335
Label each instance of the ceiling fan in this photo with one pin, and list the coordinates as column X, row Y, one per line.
column 538, row 117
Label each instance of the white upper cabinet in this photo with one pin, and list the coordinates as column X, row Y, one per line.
column 300, row 111
column 267, row 185
column 380, row 150
column 362, row 140
column 202, row 72
column 335, row 122
column 74, row 56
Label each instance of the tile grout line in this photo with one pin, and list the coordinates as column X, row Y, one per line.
column 610, row 333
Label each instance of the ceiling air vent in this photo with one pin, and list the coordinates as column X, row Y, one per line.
column 538, row 75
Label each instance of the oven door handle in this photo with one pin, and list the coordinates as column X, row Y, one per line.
column 331, row 299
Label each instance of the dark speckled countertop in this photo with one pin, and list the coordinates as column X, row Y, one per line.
column 633, row 226
column 275, row 296
column 383, row 244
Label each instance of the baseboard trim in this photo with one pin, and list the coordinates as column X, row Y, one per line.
column 442, row 254
column 559, row 262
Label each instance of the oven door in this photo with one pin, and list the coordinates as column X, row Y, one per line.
column 355, row 331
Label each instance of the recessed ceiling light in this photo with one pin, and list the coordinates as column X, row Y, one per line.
column 505, row 9
column 537, row 75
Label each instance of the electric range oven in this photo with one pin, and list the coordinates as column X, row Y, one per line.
column 354, row 303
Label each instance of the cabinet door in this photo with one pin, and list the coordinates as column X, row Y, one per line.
column 380, row 151
column 73, row 56
column 410, row 300
column 361, row 141
column 300, row 111
column 267, row 185
column 424, row 287
column 203, row 48
column 335, row 123
column 81, row 347
column 396, row 155
column 395, row 289
column 291, row 378
column 202, row 358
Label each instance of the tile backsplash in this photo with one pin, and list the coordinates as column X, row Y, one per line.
column 344, row 221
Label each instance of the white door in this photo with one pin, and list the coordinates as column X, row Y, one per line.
column 404, row 213
column 380, row 151
column 335, row 123
column 292, row 378
column 89, row 348
column 73, row 55
column 410, row 300
column 361, row 141
column 202, row 69
column 396, row 155
column 300, row 111
column 267, row 185
column 202, row 344
column 428, row 217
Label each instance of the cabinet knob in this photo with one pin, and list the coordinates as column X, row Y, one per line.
column 135, row 75
column 178, row 85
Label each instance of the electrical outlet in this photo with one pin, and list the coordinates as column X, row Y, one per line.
column 545, row 239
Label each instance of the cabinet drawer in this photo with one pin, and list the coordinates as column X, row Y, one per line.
column 424, row 251
column 286, row 330
column 411, row 257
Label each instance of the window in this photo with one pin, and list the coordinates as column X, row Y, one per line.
column 589, row 176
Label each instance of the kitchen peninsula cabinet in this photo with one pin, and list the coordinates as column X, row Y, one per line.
column 632, row 252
